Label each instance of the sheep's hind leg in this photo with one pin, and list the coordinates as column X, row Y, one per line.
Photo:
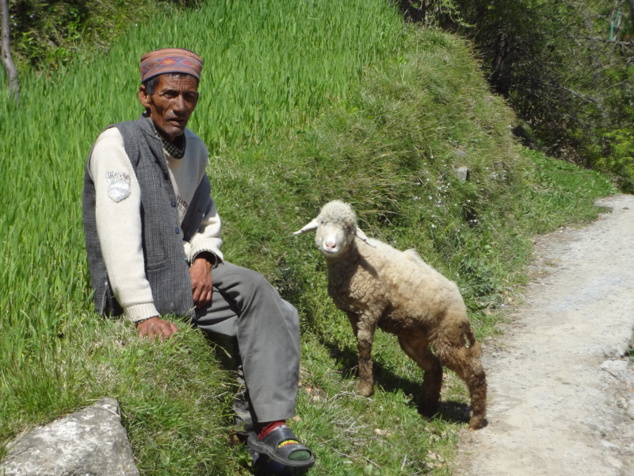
column 465, row 361
column 419, row 351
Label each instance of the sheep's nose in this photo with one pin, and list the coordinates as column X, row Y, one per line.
column 330, row 245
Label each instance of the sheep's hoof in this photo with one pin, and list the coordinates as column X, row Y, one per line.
column 365, row 389
column 476, row 423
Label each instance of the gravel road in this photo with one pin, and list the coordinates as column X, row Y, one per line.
column 561, row 390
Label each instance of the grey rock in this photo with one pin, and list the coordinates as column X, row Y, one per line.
column 90, row 442
column 463, row 174
column 616, row 367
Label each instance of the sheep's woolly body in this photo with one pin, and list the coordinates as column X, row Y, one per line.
column 380, row 286
column 376, row 276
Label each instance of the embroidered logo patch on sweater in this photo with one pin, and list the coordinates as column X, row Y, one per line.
column 118, row 185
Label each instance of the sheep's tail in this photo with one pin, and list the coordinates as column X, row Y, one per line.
column 474, row 345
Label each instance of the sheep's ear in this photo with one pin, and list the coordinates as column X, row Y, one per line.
column 361, row 235
column 309, row 227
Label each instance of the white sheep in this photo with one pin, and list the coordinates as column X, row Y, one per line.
column 378, row 285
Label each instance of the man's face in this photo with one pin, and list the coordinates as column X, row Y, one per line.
column 173, row 101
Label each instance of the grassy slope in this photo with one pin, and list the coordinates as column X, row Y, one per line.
column 389, row 145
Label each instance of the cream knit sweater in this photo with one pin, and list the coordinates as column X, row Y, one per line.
column 119, row 220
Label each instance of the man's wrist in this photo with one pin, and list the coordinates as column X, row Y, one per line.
column 209, row 256
column 141, row 321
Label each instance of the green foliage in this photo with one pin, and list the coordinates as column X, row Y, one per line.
column 48, row 34
column 620, row 160
column 565, row 69
column 428, row 12
column 556, row 184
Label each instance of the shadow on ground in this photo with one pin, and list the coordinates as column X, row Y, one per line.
column 347, row 359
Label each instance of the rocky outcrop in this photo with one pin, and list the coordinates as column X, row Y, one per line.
column 89, row 442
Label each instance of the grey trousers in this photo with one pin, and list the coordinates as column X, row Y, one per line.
column 246, row 306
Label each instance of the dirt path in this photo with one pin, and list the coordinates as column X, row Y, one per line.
column 561, row 394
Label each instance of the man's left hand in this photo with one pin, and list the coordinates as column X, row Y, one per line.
column 202, row 282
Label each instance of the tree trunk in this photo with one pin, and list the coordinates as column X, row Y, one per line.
column 7, row 61
column 500, row 74
column 632, row 11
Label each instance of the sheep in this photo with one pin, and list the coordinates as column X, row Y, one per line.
column 378, row 285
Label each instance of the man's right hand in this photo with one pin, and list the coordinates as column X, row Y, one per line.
column 156, row 327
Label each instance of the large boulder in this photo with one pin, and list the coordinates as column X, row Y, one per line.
column 89, row 442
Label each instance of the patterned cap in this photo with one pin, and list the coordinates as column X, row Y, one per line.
column 170, row 60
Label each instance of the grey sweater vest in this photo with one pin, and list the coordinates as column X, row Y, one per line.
column 166, row 266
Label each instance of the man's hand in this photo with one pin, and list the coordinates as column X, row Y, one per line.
column 202, row 282
column 156, row 327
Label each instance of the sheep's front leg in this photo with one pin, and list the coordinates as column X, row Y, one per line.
column 365, row 338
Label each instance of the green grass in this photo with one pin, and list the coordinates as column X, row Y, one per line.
column 381, row 117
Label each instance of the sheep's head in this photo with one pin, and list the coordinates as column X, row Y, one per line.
column 336, row 227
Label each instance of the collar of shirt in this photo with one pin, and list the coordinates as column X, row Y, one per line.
column 175, row 149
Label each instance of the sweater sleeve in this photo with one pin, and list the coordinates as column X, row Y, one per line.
column 208, row 238
column 118, row 205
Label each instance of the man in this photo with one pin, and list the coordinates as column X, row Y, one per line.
column 153, row 243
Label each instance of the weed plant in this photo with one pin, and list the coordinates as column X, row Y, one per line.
column 301, row 103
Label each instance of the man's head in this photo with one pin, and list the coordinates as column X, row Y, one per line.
column 169, row 89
